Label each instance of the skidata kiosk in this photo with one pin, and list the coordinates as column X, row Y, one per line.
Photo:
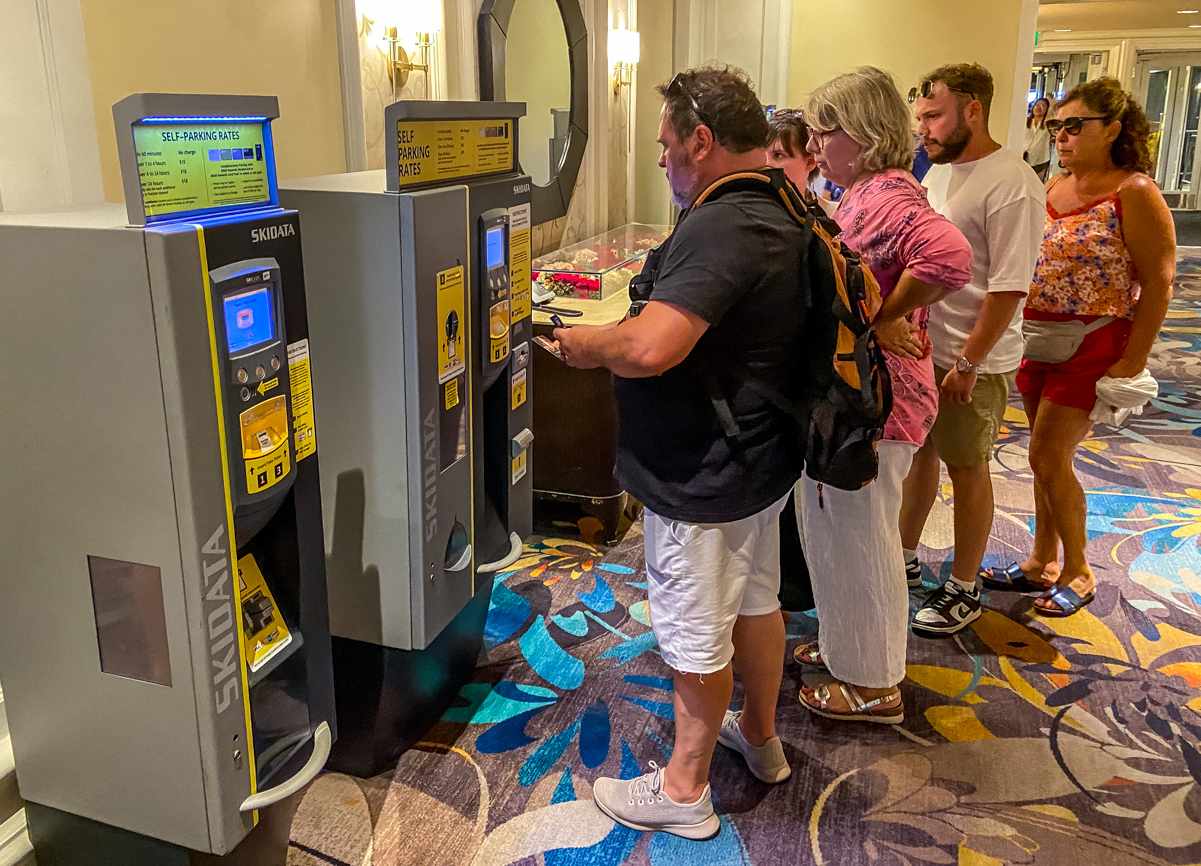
column 164, row 641
column 419, row 294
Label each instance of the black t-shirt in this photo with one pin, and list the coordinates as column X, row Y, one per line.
column 738, row 263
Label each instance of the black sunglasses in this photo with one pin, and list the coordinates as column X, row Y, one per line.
column 1071, row 125
column 926, row 89
column 676, row 87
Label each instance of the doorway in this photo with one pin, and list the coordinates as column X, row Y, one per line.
column 1169, row 87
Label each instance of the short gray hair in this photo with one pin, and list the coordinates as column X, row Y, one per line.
column 867, row 106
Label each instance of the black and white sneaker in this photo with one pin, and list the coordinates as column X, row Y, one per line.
column 949, row 609
column 913, row 573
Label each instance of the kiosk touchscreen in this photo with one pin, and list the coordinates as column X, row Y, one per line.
column 165, row 653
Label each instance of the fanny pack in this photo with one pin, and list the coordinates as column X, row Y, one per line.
column 1056, row 342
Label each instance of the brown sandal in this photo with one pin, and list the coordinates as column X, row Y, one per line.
column 880, row 711
column 809, row 655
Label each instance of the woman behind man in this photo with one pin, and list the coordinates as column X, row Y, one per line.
column 1038, row 139
column 859, row 130
column 1107, row 263
column 788, row 149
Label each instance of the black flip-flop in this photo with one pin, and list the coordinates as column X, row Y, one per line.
column 1069, row 602
column 1011, row 578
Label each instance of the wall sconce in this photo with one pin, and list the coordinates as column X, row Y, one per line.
column 400, row 66
column 378, row 21
column 625, row 49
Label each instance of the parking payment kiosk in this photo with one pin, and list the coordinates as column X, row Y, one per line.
column 419, row 293
column 164, row 642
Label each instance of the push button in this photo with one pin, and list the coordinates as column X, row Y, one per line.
column 260, row 372
column 275, row 362
column 245, row 394
column 243, row 376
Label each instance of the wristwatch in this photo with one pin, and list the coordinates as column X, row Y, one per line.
column 963, row 365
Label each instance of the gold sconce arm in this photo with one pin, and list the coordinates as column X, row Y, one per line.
column 400, row 66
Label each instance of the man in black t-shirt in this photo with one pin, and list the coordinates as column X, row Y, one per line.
column 726, row 313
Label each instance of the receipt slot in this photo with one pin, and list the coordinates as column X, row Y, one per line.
column 165, row 515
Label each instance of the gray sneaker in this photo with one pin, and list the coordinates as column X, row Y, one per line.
column 767, row 762
column 642, row 804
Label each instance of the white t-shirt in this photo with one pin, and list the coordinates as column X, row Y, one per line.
column 1038, row 145
column 999, row 204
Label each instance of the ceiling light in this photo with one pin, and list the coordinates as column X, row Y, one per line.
column 1063, row 29
column 1187, row 11
column 1194, row 27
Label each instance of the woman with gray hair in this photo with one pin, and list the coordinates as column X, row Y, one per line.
column 859, row 130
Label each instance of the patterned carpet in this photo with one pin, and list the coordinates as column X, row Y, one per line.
column 1027, row 740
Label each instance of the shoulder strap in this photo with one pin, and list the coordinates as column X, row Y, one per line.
column 1098, row 324
column 772, row 182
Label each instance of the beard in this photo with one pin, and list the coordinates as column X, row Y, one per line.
column 953, row 147
column 684, row 188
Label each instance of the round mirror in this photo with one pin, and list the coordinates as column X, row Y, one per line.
column 536, row 52
column 538, row 73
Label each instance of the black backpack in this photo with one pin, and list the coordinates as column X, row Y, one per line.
column 843, row 425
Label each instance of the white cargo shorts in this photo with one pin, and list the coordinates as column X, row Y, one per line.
column 702, row 576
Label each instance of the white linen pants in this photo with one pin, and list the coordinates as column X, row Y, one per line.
column 852, row 542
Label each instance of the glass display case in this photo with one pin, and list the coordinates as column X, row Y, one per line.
column 599, row 267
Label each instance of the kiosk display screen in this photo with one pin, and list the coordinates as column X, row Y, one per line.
column 184, row 167
column 495, row 247
column 249, row 319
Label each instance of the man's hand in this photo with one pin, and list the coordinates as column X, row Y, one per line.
column 957, row 387
column 1126, row 368
column 573, row 346
column 900, row 337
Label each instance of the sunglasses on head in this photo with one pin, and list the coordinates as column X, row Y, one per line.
column 677, row 87
column 1071, row 125
column 926, row 89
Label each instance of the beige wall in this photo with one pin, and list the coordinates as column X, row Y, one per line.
column 908, row 39
column 652, row 199
column 284, row 48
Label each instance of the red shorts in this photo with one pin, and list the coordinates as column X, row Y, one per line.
column 1074, row 381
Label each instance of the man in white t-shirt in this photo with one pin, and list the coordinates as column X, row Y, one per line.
column 994, row 197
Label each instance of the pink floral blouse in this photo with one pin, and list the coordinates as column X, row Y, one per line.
column 888, row 221
column 1084, row 268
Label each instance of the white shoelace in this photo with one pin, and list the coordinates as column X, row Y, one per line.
column 646, row 788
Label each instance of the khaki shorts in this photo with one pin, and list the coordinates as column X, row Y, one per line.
column 964, row 434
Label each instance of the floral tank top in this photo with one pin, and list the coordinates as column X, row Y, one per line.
column 1084, row 267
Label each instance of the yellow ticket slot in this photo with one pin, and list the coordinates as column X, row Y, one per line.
column 265, row 452
column 498, row 332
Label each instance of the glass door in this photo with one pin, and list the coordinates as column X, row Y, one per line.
column 1169, row 87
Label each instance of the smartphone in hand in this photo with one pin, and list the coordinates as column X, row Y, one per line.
column 549, row 345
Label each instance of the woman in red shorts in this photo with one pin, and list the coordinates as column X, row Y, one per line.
column 1106, row 267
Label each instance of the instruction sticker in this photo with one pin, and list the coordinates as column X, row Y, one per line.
column 452, row 394
column 264, row 631
column 519, row 390
column 300, row 377
column 265, row 472
column 520, row 463
column 452, row 324
column 519, row 261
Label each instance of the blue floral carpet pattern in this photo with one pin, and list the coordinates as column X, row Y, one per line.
column 1028, row 740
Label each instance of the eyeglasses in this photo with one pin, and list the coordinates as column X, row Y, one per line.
column 1070, row 125
column 926, row 89
column 820, row 138
column 677, row 87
